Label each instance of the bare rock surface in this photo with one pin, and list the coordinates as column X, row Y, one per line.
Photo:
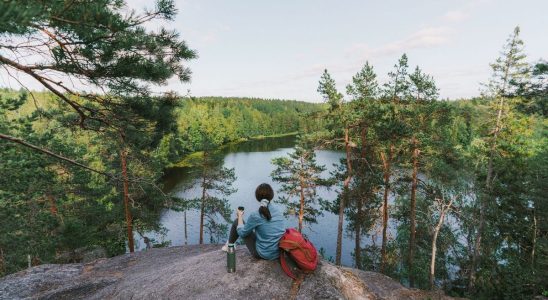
column 197, row 272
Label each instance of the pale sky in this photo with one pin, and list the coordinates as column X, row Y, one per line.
column 278, row 49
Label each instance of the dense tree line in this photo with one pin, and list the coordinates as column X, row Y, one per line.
column 465, row 177
column 213, row 121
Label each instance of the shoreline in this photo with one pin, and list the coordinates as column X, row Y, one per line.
column 188, row 160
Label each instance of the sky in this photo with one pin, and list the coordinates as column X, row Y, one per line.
column 279, row 49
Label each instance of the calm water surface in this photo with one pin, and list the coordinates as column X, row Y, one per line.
column 252, row 164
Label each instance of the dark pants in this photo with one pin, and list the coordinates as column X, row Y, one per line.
column 249, row 240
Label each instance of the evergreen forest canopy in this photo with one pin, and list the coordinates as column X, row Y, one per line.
column 85, row 168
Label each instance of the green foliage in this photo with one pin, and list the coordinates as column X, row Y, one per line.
column 102, row 46
column 422, row 86
column 397, row 87
column 300, row 176
column 215, row 183
column 458, row 143
column 364, row 84
column 218, row 121
column 534, row 92
column 47, row 206
column 97, row 42
column 510, row 69
column 328, row 89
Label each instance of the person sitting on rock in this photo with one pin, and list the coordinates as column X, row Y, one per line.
column 263, row 229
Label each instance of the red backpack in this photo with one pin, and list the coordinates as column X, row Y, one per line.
column 297, row 253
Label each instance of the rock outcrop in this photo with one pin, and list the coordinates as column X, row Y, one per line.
column 197, row 272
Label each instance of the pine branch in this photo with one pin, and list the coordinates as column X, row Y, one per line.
column 45, row 151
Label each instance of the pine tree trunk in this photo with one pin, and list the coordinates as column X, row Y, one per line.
column 343, row 201
column 301, row 210
column 302, row 187
column 202, row 212
column 413, row 213
column 340, row 226
column 534, row 239
column 477, row 245
column 386, row 165
column 360, row 201
column 2, row 262
column 204, row 198
column 52, row 205
column 186, row 232
column 483, row 199
column 129, row 219
column 357, row 251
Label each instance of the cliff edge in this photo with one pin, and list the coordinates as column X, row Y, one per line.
column 197, row 272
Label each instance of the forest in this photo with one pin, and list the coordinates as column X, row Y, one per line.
column 83, row 169
column 468, row 176
column 63, row 219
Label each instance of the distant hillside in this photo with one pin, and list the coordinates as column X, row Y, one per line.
column 215, row 120
column 221, row 120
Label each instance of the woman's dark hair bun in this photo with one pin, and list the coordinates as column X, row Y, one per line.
column 264, row 191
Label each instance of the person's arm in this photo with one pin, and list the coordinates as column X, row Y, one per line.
column 245, row 229
column 240, row 214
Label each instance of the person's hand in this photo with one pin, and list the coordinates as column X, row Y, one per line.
column 239, row 213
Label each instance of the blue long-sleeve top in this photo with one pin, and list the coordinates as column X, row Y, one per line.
column 268, row 232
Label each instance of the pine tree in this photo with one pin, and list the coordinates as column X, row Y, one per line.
column 99, row 45
column 328, row 89
column 396, row 91
column 340, row 119
column 422, row 87
column 364, row 84
column 216, row 184
column 363, row 91
column 397, row 87
column 510, row 67
column 300, row 177
column 423, row 91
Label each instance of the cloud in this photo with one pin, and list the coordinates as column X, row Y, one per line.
column 464, row 12
column 456, row 16
column 424, row 38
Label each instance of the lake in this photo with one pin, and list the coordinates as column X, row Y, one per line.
column 251, row 161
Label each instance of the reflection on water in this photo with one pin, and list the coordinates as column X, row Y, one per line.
column 178, row 177
column 252, row 164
